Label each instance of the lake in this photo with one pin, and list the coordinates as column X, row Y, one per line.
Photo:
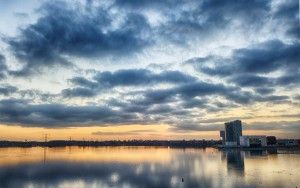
column 146, row 167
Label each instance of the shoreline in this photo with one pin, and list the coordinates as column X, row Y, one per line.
column 143, row 143
column 150, row 143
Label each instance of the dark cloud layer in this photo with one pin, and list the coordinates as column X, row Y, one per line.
column 127, row 77
column 68, row 30
column 262, row 58
column 249, row 67
column 190, row 20
column 7, row 90
column 203, row 89
column 3, row 67
column 133, row 77
column 15, row 111
column 287, row 15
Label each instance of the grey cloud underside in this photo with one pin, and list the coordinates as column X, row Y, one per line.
column 3, row 67
column 125, row 78
column 248, row 67
column 7, row 90
column 149, row 106
column 186, row 87
column 262, row 58
column 288, row 16
column 187, row 20
column 15, row 111
column 20, row 112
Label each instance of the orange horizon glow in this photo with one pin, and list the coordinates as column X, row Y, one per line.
column 120, row 132
column 77, row 154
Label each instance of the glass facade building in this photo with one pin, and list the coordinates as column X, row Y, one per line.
column 233, row 131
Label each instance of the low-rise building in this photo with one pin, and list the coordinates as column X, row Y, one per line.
column 287, row 142
column 222, row 135
column 253, row 141
column 271, row 140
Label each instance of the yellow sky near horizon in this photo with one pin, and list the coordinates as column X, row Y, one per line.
column 263, row 113
column 121, row 132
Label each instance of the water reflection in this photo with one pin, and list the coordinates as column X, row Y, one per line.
column 235, row 158
column 235, row 161
column 257, row 153
column 140, row 167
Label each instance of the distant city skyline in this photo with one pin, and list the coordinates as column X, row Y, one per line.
column 160, row 69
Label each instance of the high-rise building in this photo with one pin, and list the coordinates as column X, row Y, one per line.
column 233, row 131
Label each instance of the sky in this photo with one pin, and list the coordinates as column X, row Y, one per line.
column 160, row 69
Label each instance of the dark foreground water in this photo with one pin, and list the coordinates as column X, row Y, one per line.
column 145, row 167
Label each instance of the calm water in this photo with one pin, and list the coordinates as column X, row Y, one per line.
column 145, row 167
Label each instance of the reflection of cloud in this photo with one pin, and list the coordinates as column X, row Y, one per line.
column 146, row 174
column 104, row 174
column 129, row 155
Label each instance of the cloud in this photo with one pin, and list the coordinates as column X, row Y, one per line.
column 198, row 89
column 257, row 68
column 123, row 78
column 131, row 77
column 287, row 126
column 65, row 30
column 3, row 67
column 188, row 126
column 191, row 20
column 287, row 15
column 195, row 94
column 147, row 4
column 217, row 125
column 133, row 132
column 83, row 82
column 13, row 111
column 265, row 57
column 251, row 67
column 246, row 80
column 7, row 90
column 264, row 90
column 78, row 92
column 297, row 97
column 289, row 79
column 261, row 83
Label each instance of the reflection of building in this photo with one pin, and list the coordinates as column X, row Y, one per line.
column 235, row 161
column 253, row 141
column 233, row 131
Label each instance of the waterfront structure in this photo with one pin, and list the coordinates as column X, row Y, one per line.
column 233, row 131
column 271, row 140
column 222, row 135
column 253, row 141
column 287, row 142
